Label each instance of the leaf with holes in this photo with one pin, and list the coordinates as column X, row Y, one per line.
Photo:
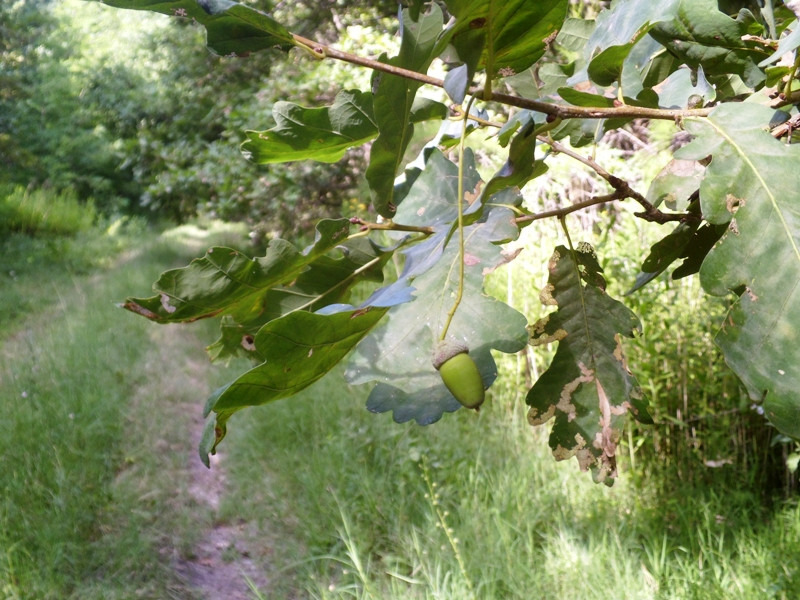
column 746, row 185
column 587, row 389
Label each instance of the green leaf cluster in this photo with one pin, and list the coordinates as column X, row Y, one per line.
column 440, row 228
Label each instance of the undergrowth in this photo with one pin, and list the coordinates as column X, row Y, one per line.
column 44, row 211
column 475, row 507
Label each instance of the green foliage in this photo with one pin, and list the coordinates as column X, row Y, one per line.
column 44, row 211
column 503, row 39
column 393, row 103
column 321, row 134
column 443, row 227
column 127, row 108
column 759, row 258
column 404, row 345
column 232, row 28
column 324, row 134
column 701, row 35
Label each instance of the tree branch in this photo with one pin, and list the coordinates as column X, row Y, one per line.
column 561, row 111
column 561, row 212
column 622, row 188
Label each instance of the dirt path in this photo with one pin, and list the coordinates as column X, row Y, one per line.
column 221, row 564
column 216, row 562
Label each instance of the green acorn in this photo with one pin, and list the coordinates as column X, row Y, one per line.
column 459, row 373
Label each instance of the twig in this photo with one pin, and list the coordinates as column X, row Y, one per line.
column 560, row 212
column 784, row 99
column 787, row 128
column 622, row 188
column 390, row 226
column 561, row 111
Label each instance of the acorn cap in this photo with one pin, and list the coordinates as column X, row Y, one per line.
column 445, row 350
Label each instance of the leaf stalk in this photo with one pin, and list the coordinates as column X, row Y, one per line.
column 460, row 203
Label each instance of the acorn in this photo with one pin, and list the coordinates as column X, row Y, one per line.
column 459, row 373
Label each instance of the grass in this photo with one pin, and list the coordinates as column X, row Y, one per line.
column 475, row 507
column 44, row 211
column 97, row 413
column 34, row 270
column 97, row 409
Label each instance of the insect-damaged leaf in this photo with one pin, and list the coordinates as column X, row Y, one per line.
column 587, row 388
column 746, row 185
column 232, row 28
column 297, row 349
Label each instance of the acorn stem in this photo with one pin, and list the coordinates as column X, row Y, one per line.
column 460, row 203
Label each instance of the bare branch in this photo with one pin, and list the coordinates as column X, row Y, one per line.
column 622, row 188
column 561, row 212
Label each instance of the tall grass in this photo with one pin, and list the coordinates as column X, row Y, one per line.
column 355, row 506
column 97, row 409
column 44, row 211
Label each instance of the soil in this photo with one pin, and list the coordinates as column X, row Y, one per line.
column 225, row 556
column 221, row 563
